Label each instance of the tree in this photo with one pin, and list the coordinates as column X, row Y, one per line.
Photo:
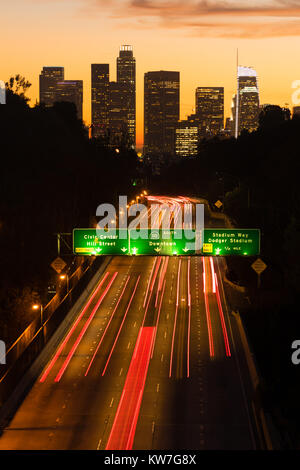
column 16, row 88
column 272, row 116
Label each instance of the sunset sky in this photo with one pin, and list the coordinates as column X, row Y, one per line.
column 197, row 38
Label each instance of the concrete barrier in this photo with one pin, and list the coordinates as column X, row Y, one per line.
column 238, row 288
column 259, row 414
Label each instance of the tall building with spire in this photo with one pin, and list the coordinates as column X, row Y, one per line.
column 247, row 100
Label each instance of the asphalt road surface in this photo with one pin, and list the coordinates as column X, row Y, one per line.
column 150, row 363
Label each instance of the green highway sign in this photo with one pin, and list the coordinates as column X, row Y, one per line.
column 222, row 242
column 216, row 242
column 150, row 242
column 86, row 242
column 162, row 242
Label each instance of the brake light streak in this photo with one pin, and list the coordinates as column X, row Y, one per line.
column 213, row 273
column 83, row 330
column 158, row 315
column 129, row 444
column 111, row 317
column 161, row 278
column 151, row 289
column 227, row 347
column 124, row 426
column 208, row 320
column 175, row 320
column 125, row 315
column 58, row 352
column 149, row 282
column 189, row 320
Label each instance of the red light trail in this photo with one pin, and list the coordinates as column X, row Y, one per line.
column 111, row 317
column 227, row 347
column 125, row 315
column 175, row 320
column 123, row 429
column 85, row 327
column 208, row 320
column 58, row 352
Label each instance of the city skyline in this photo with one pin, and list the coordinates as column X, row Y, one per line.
column 202, row 50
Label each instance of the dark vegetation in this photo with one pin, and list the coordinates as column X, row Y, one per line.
column 52, row 179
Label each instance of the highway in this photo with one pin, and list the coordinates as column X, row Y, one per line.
column 150, row 362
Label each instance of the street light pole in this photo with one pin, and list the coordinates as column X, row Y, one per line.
column 65, row 276
column 35, row 307
column 42, row 319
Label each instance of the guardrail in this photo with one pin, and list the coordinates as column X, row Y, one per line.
column 257, row 407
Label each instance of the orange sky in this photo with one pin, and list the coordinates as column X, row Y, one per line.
column 197, row 38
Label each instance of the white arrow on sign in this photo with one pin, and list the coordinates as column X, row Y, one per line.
column 98, row 249
column 123, row 249
column 157, row 249
column 185, row 249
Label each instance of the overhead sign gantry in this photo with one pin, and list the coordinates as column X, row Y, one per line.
column 172, row 242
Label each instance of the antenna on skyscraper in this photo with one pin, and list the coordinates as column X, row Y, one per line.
column 237, row 96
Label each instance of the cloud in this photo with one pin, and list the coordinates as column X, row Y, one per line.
column 225, row 18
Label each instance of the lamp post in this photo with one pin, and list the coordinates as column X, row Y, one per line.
column 36, row 307
column 65, row 276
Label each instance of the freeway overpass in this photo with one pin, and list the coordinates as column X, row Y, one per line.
column 151, row 361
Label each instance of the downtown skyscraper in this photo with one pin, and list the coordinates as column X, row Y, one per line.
column 54, row 88
column 114, row 102
column 187, row 138
column 126, row 77
column 210, row 110
column 161, row 111
column 48, row 79
column 100, row 99
column 246, row 101
column 70, row 91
